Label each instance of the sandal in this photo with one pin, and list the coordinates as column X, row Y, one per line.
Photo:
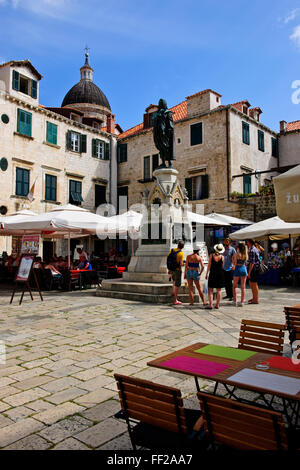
column 251, row 302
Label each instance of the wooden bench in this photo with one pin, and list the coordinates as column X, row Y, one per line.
column 292, row 317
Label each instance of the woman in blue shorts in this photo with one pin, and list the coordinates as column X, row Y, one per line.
column 192, row 274
column 240, row 272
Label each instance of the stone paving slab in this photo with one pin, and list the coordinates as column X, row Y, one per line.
column 57, row 389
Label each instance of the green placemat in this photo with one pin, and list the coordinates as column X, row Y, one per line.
column 223, row 351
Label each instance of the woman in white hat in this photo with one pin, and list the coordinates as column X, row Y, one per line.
column 192, row 274
column 215, row 274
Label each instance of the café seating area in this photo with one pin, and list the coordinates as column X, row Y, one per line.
column 156, row 417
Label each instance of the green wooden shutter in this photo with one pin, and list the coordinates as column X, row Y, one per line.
column 16, row 80
column 106, row 151
column 261, row 140
column 33, row 88
column 82, row 143
column 94, row 144
column 68, row 140
column 24, row 122
column 189, row 187
column 246, row 133
column 154, row 162
column 51, row 135
column 122, row 153
column 274, row 147
column 247, row 184
column 205, row 187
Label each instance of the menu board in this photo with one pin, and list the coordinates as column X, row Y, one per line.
column 30, row 244
column 25, row 268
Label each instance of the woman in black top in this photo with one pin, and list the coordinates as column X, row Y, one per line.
column 215, row 274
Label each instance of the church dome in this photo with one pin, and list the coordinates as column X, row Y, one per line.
column 86, row 91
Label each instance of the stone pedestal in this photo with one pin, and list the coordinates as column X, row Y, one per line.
column 165, row 222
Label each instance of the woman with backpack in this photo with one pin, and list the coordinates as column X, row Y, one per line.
column 192, row 274
column 175, row 262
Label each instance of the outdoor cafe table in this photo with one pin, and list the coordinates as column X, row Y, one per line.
column 237, row 367
column 76, row 274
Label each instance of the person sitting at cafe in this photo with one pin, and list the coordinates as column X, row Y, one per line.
column 38, row 263
column 87, row 266
column 55, row 273
column 83, row 257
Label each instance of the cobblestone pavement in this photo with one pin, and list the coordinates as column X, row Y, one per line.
column 57, row 389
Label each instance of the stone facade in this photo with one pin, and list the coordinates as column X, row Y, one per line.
column 221, row 155
column 289, row 143
column 40, row 157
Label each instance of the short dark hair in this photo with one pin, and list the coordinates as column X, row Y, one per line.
column 180, row 244
column 251, row 241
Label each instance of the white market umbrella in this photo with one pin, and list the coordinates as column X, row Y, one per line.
column 123, row 223
column 272, row 226
column 203, row 219
column 287, row 193
column 228, row 219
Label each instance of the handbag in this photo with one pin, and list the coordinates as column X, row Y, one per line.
column 262, row 268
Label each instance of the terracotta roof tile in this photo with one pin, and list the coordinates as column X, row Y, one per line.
column 179, row 112
column 293, row 126
column 202, row 93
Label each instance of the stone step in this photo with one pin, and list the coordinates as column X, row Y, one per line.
column 140, row 287
column 140, row 297
column 160, row 278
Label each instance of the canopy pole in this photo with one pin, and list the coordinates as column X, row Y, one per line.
column 69, row 249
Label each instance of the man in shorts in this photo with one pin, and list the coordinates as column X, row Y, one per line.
column 176, row 275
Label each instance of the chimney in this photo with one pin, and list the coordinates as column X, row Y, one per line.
column 110, row 124
column 283, row 126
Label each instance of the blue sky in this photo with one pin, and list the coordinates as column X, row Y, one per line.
column 142, row 51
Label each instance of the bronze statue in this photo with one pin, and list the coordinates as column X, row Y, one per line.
column 163, row 133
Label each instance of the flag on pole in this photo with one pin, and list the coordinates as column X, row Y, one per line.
column 31, row 192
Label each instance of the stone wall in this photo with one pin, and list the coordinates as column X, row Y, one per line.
column 265, row 207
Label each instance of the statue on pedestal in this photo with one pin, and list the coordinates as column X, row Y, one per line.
column 163, row 133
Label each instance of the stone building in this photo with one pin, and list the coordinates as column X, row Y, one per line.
column 69, row 152
column 289, row 143
column 218, row 148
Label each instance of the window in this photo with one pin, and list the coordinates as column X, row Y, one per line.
column 196, row 133
column 151, row 117
column 155, row 160
column 147, row 168
column 274, row 147
column 24, row 84
column 122, row 202
column 197, row 187
column 100, row 195
column 246, row 133
column 76, row 142
column 75, row 192
column 122, row 153
column 261, row 140
column 22, row 182
column 51, row 134
column 100, row 149
column 50, row 187
column 24, row 122
column 247, row 184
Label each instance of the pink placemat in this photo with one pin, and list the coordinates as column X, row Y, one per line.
column 196, row 366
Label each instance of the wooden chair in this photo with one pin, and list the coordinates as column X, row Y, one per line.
column 261, row 337
column 163, row 422
column 292, row 317
column 241, row 426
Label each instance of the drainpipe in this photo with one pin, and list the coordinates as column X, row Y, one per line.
column 246, row 203
column 110, row 168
